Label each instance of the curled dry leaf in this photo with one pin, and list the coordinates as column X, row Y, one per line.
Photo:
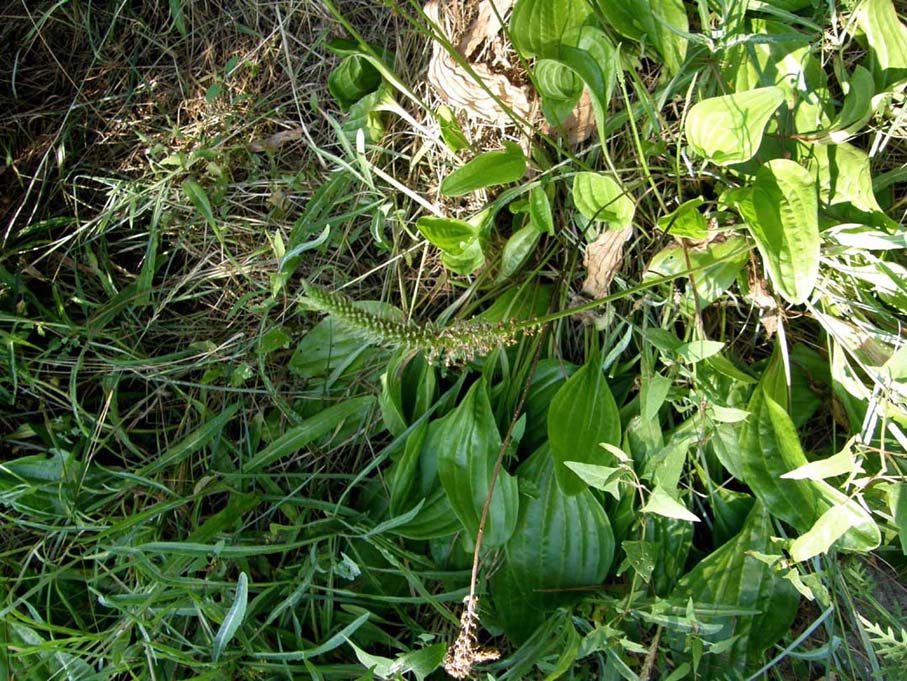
column 768, row 306
column 579, row 125
column 455, row 85
column 276, row 141
column 603, row 259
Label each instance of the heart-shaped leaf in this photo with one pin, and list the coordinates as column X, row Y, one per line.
column 600, row 197
column 729, row 129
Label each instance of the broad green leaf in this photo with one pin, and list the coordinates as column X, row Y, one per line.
column 657, row 23
column 549, row 376
column 685, row 221
column 731, row 577
column 539, row 28
column 641, row 556
column 770, row 447
column 698, row 350
column 468, row 446
column 784, row 221
column 582, row 415
column 662, row 503
column 408, row 388
column 367, row 115
column 518, row 249
column 540, row 211
column 560, row 543
column 887, row 39
column 488, row 169
column 556, row 81
column 842, row 463
column 653, row 393
column 352, row 80
column 234, row 618
column 777, row 54
column 671, row 540
column 718, row 262
column 592, row 57
column 420, row 662
column 448, row 234
column 451, row 132
column 605, row 478
column 729, row 129
column 766, row 455
column 273, row 340
column 559, row 88
column 599, row 197
column 897, row 503
column 829, row 527
column 468, row 260
column 854, row 114
column 844, row 176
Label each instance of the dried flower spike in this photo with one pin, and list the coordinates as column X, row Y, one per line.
column 465, row 653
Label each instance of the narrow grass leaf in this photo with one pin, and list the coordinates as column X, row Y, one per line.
column 308, row 431
column 179, row 20
column 234, row 618
column 199, row 198
column 191, row 443
column 332, row 643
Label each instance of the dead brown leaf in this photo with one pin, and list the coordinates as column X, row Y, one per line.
column 277, row 140
column 455, row 85
column 603, row 260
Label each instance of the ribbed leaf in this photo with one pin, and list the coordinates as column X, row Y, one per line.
column 582, row 415
column 539, row 28
column 600, row 197
column 785, row 223
column 729, row 129
column 731, row 577
column 560, row 542
column 467, row 447
column 770, row 448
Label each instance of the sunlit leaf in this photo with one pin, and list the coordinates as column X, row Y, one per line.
column 729, row 129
